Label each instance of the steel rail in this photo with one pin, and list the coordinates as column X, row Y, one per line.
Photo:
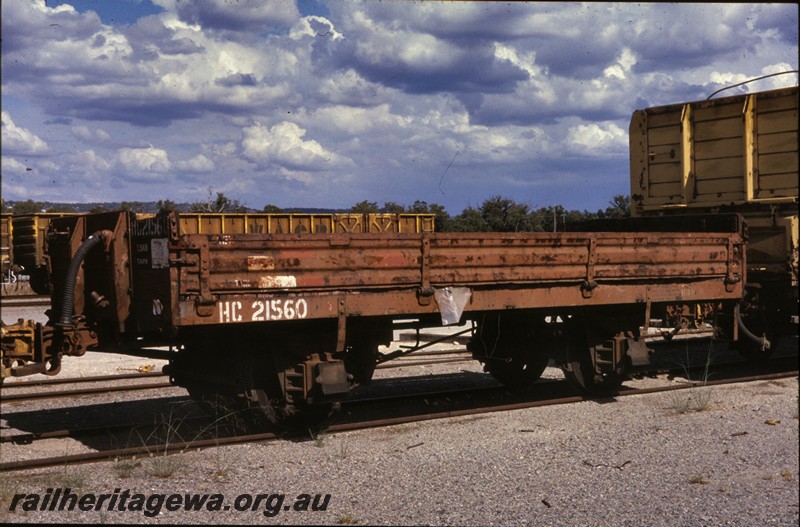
column 550, row 402
column 79, row 380
column 410, row 363
column 24, row 301
column 17, row 397
column 29, row 437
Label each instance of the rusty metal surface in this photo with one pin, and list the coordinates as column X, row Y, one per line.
column 149, row 284
column 262, row 278
column 6, row 247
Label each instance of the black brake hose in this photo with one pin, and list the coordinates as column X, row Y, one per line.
column 65, row 319
column 763, row 342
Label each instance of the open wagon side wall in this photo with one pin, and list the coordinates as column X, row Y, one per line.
column 243, row 279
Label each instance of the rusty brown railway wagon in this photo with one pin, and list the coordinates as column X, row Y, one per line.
column 292, row 322
column 6, row 248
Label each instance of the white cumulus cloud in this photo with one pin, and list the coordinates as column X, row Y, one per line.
column 198, row 163
column 83, row 132
column 283, row 145
column 143, row 164
column 593, row 137
column 314, row 26
column 20, row 141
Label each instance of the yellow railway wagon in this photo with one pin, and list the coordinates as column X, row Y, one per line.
column 739, row 150
column 29, row 238
column 728, row 154
column 277, row 223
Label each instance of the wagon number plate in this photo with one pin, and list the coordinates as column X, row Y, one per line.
column 262, row 310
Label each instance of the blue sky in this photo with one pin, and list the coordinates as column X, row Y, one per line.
column 325, row 104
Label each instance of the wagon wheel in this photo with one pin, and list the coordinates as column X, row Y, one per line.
column 269, row 406
column 265, row 389
column 578, row 367
column 278, row 392
column 223, row 405
column 514, row 349
column 361, row 360
column 518, row 372
column 244, row 392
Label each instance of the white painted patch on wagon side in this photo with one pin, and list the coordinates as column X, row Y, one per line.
column 280, row 281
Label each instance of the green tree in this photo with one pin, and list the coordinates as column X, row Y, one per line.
column 166, row 205
column 27, row 207
column 390, row 207
column 419, row 207
column 365, row 207
column 132, row 206
column 619, row 207
column 505, row 215
column 271, row 209
column 470, row 220
column 62, row 207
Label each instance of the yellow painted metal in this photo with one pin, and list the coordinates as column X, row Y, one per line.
column 688, row 181
column 739, row 150
column 750, row 147
column 295, row 223
column 18, row 346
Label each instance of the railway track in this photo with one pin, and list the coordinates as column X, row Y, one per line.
column 80, row 380
column 18, row 397
column 7, row 302
column 422, row 359
column 419, row 358
column 358, row 414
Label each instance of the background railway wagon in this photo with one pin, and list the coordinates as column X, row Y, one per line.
column 278, row 223
column 729, row 154
column 29, row 234
column 6, row 248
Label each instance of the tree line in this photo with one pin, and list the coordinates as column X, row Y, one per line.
column 500, row 214
column 495, row 214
